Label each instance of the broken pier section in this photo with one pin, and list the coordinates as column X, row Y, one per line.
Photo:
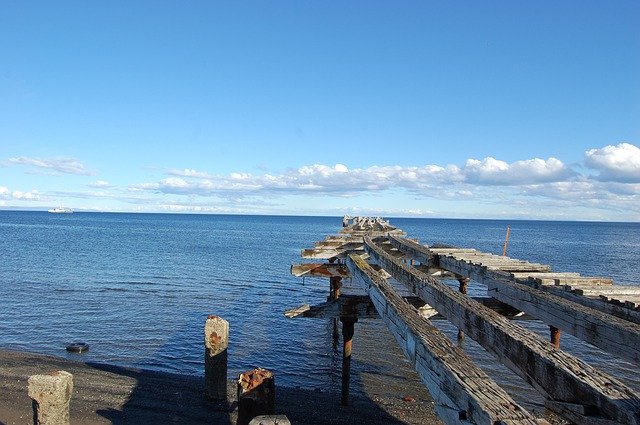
column 372, row 252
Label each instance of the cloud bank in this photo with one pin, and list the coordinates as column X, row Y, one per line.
column 605, row 184
column 55, row 165
column 341, row 181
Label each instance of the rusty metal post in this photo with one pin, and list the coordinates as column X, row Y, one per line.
column 335, row 283
column 347, row 340
column 216, row 341
column 555, row 336
column 256, row 395
column 464, row 283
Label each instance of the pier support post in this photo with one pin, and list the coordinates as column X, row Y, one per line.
column 464, row 284
column 555, row 336
column 216, row 341
column 51, row 395
column 256, row 395
column 335, row 283
column 347, row 340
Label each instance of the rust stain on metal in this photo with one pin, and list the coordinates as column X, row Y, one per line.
column 253, row 378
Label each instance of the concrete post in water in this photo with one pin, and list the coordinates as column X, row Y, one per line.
column 51, row 395
column 256, row 395
column 464, row 283
column 347, row 340
column 216, row 341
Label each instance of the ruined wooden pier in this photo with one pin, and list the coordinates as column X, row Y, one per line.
column 381, row 259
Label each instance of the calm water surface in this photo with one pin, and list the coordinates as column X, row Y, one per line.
column 138, row 288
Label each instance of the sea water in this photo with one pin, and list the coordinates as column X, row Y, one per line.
column 138, row 289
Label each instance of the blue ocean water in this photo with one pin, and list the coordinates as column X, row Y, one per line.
column 138, row 287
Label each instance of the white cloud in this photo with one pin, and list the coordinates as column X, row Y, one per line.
column 619, row 163
column 101, row 184
column 57, row 165
column 16, row 195
column 495, row 172
column 188, row 172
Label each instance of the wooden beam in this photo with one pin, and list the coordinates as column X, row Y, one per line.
column 357, row 306
column 361, row 306
column 605, row 290
column 603, row 330
column 461, row 391
column 320, row 270
column 327, row 253
column 554, row 373
column 602, row 303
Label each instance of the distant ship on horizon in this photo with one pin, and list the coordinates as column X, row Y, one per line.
column 61, row 210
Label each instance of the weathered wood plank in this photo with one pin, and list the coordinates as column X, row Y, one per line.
column 577, row 413
column 603, row 330
column 583, row 280
column 361, row 307
column 606, row 290
column 544, row 275
column 320, row 270
column 519, row 267
column 456, row 384
column 607, row 306
column 525, row 353
column 325, row 254
column 346, row 306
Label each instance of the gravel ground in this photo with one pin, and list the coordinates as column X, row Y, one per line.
column 106, row 394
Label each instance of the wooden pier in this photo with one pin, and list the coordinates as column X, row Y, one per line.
column 381, row 259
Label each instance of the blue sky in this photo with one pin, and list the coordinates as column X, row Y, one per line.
column 497, row 109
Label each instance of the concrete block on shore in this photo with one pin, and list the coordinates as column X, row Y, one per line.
column 270, row 420
column 51, row 395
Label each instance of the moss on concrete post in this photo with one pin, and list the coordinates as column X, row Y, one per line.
column 51, row 395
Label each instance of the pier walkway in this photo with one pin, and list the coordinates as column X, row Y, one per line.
column 401, row 282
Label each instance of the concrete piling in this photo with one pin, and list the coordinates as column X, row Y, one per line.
column 51, row 395
column 216, row 342
column 256, row 395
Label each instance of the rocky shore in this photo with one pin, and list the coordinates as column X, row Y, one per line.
column 106, row 394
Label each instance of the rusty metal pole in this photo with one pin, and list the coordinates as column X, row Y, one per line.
column 347, row 338
column 555, row 336
column 464, row 283
column 335, row 283
column 256, row 395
